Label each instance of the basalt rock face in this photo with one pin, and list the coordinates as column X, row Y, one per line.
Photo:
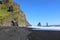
column 11, row 14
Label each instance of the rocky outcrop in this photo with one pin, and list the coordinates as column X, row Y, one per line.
column 13, row 15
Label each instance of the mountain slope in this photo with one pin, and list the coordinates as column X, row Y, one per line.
column 11, row 14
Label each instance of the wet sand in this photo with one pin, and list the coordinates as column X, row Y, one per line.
column 44, row 35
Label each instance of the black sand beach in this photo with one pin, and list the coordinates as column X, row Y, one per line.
column 18, row 33
column 44, row 35
column 13, row 33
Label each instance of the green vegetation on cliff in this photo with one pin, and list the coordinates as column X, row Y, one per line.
column 10, row 11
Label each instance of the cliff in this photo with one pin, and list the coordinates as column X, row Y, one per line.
column 11, row 14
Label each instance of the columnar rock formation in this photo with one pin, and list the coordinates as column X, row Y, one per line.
column 11, row 14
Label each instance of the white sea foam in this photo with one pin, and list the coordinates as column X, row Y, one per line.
column 44, row 28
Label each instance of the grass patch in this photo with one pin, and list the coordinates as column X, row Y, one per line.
column 4, row 13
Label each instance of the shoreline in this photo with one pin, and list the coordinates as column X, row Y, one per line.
column 22, row 33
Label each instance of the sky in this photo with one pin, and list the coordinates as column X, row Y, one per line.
column 41, row 11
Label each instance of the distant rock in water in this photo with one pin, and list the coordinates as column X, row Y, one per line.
column 39, row 24
column 11, row 14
